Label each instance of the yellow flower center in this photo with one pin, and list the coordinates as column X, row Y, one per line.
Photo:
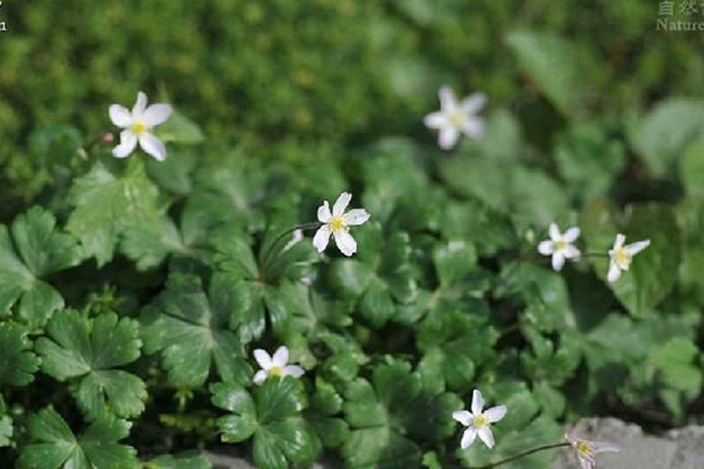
column 584, row 449
column 561, row 244
column 337, row 223
column 138, row 128
column 457, row 118
column 276, row 371
column 480, row 421
column 622, row 257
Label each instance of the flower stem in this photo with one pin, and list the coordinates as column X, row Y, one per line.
column 522, row 455
column 273, row 247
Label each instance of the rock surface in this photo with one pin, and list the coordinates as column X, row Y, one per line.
column 678, row 449
column 682, row 448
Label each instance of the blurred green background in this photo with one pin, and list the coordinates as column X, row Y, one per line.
column 305, row 80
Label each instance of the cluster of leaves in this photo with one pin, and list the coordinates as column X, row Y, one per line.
column 133, row 292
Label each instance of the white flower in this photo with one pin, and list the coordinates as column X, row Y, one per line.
column 137, row 127
column 587, row 450
column 559, row 246
column 274, row 366
column 621, row 256
column 478, row 422
column 455, row 118
column 337, row 224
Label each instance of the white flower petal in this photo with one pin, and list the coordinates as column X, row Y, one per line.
column 473, row 127
column 447, row 99
column 473, row 103
column 477, row 402
column 486, row 436
column 120, row 116
column 448, row 137
column 571, row 252
column 603, row 447
column 139, row 106
column 356, row 216
column 259, row 377
column 128, row 142
column 468, row 437
column 585, row 463
column 558, row 261
column 554, row 232
column 495, row 414
column 280, row 357
column 341, row 204
column 262, row 358
column 618, row 242
column 572, row 234
column 463, row 417
column 635, row 248
column 324, row 214
column 152, row 146
column 546, row 248
column 345, row 242
column 435, row 120
column 157, row 114
column 321, row 238
column 293, row 370
column 614, row 272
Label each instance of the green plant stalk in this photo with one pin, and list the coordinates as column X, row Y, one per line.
column 522, row 455
column 274, row 246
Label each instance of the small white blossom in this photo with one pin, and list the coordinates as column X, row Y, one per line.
column 621, row 256
column 455, row 118
column 337, row 223
column 587, row 450
column 274, row 366
column 559, row 246
column 138, row 125
column 478, row 422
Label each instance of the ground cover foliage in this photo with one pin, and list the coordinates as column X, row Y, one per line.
column 133, row 292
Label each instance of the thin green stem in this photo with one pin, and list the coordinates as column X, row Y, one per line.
column 523, row 455
column 273, row 247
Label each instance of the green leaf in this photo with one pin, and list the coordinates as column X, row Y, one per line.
column 88, row 350
column 281, row 437
column 653, row 271
column 454, row 343
column 380, row 278
column 190, row 329
column 586, row 176
column 179, row 129
column 105, row 205
column 17, row 362
column 389, row 420
column 506, row 187
column 55, row 446
column 6, row 427
column 663, row 134
column 557, row 66
column 676, row 360
column 149, row 244
column 692, row 169
column 454, row 261
column 167, row 461
column 325, row 404
column 41, row 250
column 242, row 423
column 391, row 156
